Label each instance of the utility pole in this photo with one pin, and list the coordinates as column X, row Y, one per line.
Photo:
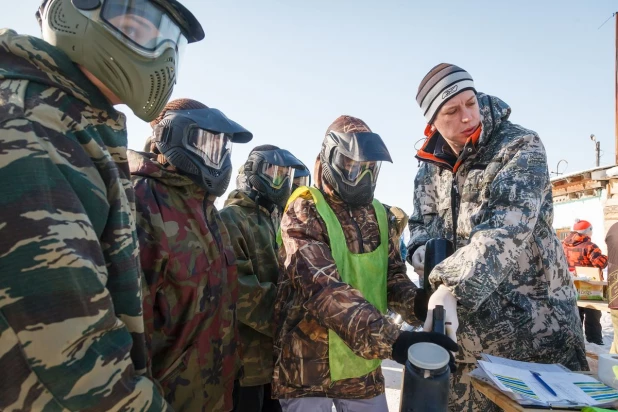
column 597, row 150
column 616, row 92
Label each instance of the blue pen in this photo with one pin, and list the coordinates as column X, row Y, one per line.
column 546, row 386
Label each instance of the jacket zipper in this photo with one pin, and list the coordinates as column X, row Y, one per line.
column 454, row 208
column 358, row 231
column 214, row 233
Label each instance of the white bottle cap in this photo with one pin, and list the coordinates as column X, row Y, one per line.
column 428, row 356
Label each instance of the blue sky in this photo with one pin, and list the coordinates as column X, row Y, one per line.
column 286, row 69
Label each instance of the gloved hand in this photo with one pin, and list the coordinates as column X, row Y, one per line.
column 443, row 296
column 420, row 304
column 407, row 339
column 418, row 260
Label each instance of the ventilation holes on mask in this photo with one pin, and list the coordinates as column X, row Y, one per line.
column 213, row 172
column 57, row 19
column 160, row 80
column 179, row 160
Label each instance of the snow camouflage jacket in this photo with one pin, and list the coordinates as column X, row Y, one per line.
column 71, row 326
column 580, row 251
column 190, row 272
column 509, row 272
column 311, row 298
column 253, row 232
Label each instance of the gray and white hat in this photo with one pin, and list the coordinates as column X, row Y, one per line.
column 439, row 85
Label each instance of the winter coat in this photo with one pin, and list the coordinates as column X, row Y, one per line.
column 71, row 326
column 311, row 299
column 611, row 240
column 509, row 274
column 580, row 251
column 190, row 272
column 253, row 231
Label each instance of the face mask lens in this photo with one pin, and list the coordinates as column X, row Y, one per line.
column 277, row 175
column 353, row 171
column 301, row 181
column 212, row 147
column 142, row 26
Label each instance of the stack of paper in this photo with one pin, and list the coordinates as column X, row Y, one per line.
column 517, row 380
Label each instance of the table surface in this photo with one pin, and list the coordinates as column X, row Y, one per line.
column 594, row 304
column 506, row 403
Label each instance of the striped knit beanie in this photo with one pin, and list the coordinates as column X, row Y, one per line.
column 439, row 85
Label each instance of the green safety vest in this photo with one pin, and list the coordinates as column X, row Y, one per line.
column 365, row 272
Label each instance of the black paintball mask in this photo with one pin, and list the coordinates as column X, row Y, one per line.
column 302, row 177
column 351, row 164
column 198, row 143
column 270, row 173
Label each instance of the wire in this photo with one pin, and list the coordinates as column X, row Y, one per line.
column 613, row 14
column 417, row 142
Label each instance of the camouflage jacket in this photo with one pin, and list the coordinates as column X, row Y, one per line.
column 311, row 298
column 253, row 235
column 580, row 251
column 611, row 240
column 509, row 272
column 189, row 268
column 71, row 326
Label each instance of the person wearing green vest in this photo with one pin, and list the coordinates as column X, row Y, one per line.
column 340, row 273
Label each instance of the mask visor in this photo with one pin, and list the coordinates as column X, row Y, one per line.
column 278, row 176
column 353, row 171
column 212, row 147
column 143, row 27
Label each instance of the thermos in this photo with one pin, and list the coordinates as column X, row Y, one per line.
column 426, row 383
column 426, row 374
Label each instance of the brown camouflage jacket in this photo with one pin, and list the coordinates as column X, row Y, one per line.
column 311, row 298
column 580, row 251
column 190, row 272
column 253, row 233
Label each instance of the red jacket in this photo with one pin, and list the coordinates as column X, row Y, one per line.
column 580, row 251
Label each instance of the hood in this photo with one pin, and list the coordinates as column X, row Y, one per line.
column 494, row 112
column 575, row 239
column 146, row 165
column 33, row 59
column 239, row 198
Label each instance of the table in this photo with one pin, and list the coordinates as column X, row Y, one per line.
column 506, row 403
column 594, row 304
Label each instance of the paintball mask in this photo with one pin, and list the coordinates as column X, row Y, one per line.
column 351, row 164
column 302, row 177
column 199, row 144
column 132, row 46
column 270, row 173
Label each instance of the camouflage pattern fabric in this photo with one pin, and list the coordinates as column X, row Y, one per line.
column 71, row 326
column 190, row 272
column 509, row 273
column 580, row 251
column 254, row 242
column 311, row 298
column 611, row 240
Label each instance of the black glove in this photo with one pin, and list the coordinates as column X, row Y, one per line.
column 420, row 304
column 407, row 339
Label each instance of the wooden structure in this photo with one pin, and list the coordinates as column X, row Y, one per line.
column 588, row 183
column 506, row 403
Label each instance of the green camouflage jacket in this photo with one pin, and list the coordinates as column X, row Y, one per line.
column 311, row 299
column 253, row 233
column 71, row 326
column 190, row 273
column 509, row 272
